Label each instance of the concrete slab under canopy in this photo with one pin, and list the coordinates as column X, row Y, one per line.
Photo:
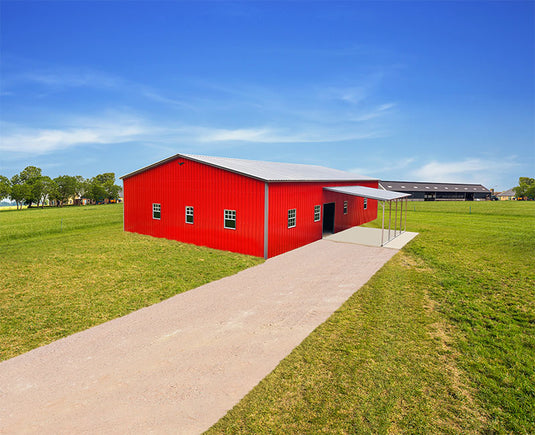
column 371, row 237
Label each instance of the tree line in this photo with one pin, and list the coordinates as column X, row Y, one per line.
column 525, row 188
column 30, row 187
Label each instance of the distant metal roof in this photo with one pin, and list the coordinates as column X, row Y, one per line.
column 368, row 192
column 418, row 186
column 509, row 192
column 266, row 171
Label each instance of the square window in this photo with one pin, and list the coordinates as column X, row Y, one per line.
column 230, row 219
column 189, row 214
column 291, row 218
column 317, row 213
column 156, row 211
column 365, row 203
column 345, row 207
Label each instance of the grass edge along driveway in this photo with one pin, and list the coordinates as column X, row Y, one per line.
column 441, row 340
column 57, row 281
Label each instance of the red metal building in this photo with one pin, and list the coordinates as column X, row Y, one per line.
column 256, row 208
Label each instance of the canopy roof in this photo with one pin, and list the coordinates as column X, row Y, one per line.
column 368, row 192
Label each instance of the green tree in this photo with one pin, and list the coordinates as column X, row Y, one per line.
column 525, row 188
column 5, row 187
column 112, row 191
column 81, row 186
column 96, row 191
column 18, row 192
column 30, row 176
column 42, row 189
column 105, row 179
column 39, row 189
column 102, row 187
column 64, row 188
column 53, row 193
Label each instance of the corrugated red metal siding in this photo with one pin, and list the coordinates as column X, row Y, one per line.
column 356, row 215
column 209, row 191
column 303, row 197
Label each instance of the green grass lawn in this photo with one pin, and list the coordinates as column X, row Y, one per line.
column 440, row 340
column 63, row 270
column 35, row 222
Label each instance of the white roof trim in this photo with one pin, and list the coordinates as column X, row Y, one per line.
column 267, row 171
column 368, row 192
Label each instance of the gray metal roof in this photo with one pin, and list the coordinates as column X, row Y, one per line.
column 266, row 171
column 509, row 192
column 368, row 192
column 418, row 186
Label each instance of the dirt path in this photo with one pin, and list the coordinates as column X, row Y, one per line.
column 180, row 365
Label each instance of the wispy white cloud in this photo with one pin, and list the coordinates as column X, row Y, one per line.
column 356, row 92
column 62, row 79
column 352, row 95
column 113, row 128
column 386, row 106
column 467, row 170
column 311, row 114
column 374, row 113
column 154, row 96
column 241, row 134
column 70, row 79
column 383, row 167
column 272, row 135
column 26, row 140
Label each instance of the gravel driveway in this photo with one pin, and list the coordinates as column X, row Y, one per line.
column 180, row 365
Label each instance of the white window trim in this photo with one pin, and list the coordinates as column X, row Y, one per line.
column 156, row 208
column 294, row 210
column 229, row 213
column 365, row 203
column 190, row 214
column 346, row 207
column 317, row 213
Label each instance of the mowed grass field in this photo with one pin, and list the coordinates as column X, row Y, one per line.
column 440, row 340
column 63, row 270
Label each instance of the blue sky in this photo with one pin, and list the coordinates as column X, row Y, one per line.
column 421, row 91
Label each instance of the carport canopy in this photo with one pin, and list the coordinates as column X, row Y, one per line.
column 369, row 192
column 379, row 195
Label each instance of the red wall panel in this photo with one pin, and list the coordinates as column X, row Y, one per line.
column 303, row 197
column 356, row 214
column 180, row 183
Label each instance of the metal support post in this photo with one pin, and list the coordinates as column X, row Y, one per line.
column 406, row 205
column 396, row 219
column 389, row 219
column 401, row 217
column 383, row 224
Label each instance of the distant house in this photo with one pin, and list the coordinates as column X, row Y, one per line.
column 508, row 195
column 70, row 201
column 81, row 201
column 438, row 191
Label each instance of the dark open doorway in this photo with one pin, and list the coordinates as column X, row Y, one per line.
column 328, row 218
